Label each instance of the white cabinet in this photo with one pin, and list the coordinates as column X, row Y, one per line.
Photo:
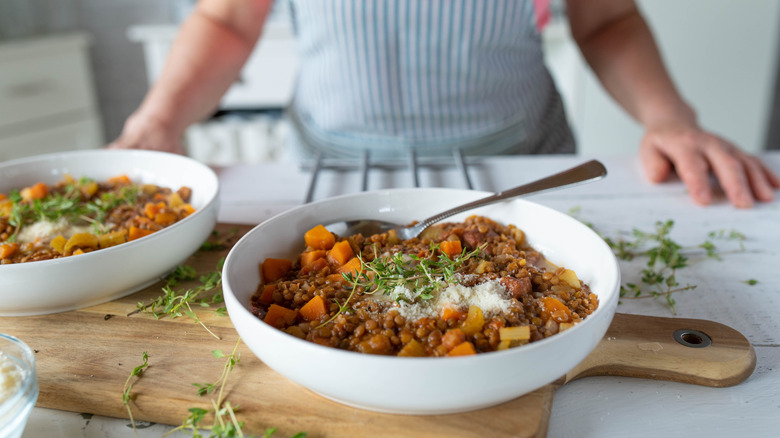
column 47, row 97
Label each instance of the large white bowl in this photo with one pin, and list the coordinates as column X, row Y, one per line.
column 422, row 385
column 69, row 283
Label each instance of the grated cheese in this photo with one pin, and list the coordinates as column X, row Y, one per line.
column 46, row 231
column 491, row 297
column 10, row 377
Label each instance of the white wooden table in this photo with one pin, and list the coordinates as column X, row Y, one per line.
column 594, row 406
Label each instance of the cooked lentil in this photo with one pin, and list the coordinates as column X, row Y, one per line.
column 73, row 217
column 498, row 287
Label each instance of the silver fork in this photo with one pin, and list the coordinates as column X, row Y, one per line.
column 591, row 171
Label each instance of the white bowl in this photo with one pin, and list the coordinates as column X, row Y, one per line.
column 422, row 385
column 69, row 283
column 17, row 359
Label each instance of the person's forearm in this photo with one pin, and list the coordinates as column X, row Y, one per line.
column 622, row 53
column 204, row 60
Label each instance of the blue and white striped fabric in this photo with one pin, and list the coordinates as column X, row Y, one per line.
column 389, row 75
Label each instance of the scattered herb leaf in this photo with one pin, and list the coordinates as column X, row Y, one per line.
column 127, row 397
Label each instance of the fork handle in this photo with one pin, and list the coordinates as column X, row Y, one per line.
column 591, row 171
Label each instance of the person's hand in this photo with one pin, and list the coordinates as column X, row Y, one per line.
column 693, row 154
column 146, row 133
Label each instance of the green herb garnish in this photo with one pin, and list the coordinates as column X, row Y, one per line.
column 175, row 303
column 126, row 396
column 426, row 276
column 71, row 204
column 664, row 258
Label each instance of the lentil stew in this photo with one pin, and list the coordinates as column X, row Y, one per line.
column 459, row 289
column 73, row 217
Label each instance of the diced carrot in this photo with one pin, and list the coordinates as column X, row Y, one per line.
column 353, row 266
column 279, row 316
column 464, row 349
column 3, row 196
column 315, row 309
column 319, row 238
column 267, row 296
column 35, row 191
column 554, row 309
column 8, row 249
column 340, row 253
column 137, row 233
column 273, row 269
column 413, row 349
column 314, row 266
column 451, row 312
column 310, row 256
column 185, row 210
column 165, row 218
column 119, row 179
column 451, row 247
column 151, row 209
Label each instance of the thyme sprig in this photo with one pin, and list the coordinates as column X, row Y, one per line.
column 665, row 258
column 425, row 275
column 127, row 397
column 175, row 303
column 226, row 423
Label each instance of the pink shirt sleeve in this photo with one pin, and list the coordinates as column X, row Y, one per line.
column 542, row 12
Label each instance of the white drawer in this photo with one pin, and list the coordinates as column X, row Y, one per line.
column 43, row 83
column 79, row 134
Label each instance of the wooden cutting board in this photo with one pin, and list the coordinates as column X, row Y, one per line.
column 84, row 358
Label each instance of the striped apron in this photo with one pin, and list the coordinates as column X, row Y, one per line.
column 429, row 75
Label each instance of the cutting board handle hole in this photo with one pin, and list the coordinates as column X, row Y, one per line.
column 692, row 338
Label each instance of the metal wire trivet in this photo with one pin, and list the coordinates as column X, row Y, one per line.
column 364, row 165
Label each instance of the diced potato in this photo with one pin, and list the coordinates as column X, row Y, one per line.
column 431, row 233
column 413, row 349
column 564, row 326
column 504, row 345
column 89, row 188
column 148, row 189
column 520, row 333
column 175, row 200
column 474, row 321
column 58, row 244
column 483, row 266
column 571, row 279
column 111, row 239
column 81, row 240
